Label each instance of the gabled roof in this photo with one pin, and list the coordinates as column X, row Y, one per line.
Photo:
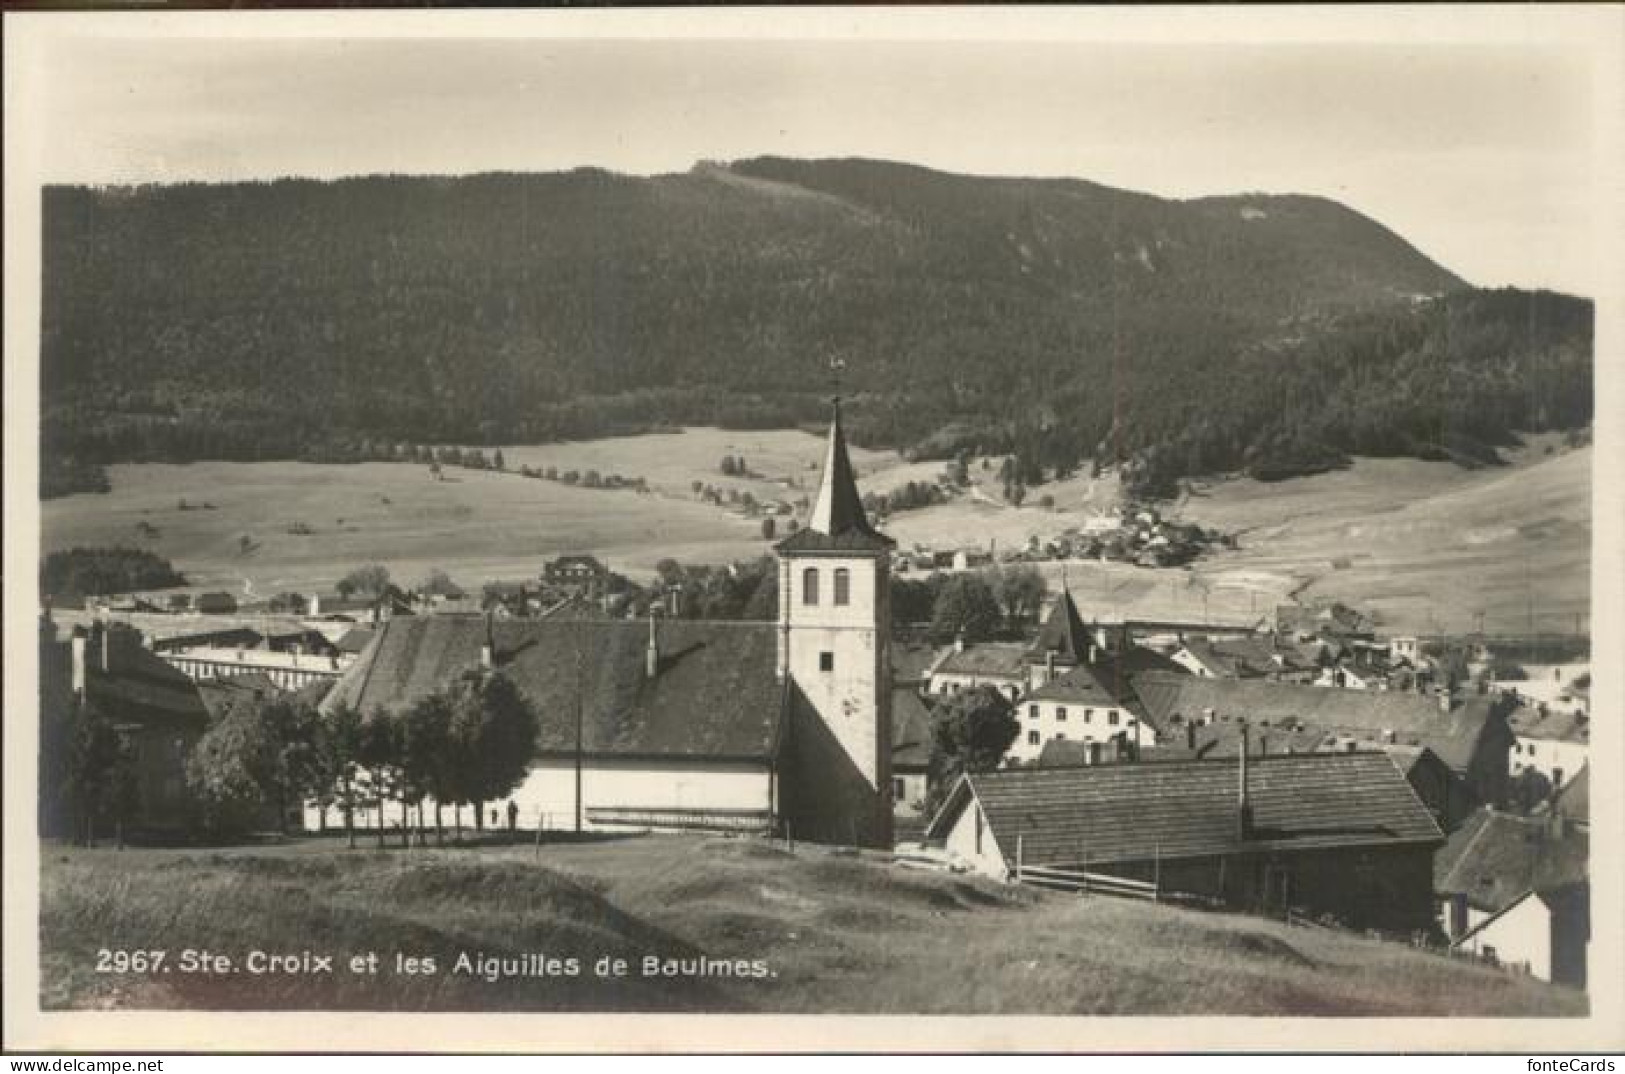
column 354, row 640
column 1553, row 726
column 987, row 660
column 911, row 730
column 1494, row 858
column 139, row 687
column 1415, row 719
column 1181, row 809
column 716, row 693
column 1236, row 658
column 838, row 522
column 1063, row 632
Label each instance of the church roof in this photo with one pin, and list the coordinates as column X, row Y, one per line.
column 1063, row 632
column 838, row 522
column 715, row 695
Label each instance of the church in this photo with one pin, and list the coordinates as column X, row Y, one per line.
column 678, row 724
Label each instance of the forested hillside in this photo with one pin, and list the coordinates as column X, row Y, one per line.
column 333, row 320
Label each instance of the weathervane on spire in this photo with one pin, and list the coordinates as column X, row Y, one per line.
column 837, row 366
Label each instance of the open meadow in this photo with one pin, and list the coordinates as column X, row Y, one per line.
column 1425, row 545
column 803, row 932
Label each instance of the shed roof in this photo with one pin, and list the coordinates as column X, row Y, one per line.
column 1179, row 809
column 716, row 693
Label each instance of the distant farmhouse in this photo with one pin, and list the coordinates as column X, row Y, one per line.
column 685, row 724
column 1339, row 835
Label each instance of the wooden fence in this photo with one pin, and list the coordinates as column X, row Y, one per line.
column 1086, row 883
column 751, row 821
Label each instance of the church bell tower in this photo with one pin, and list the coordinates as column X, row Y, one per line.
column 835, row 657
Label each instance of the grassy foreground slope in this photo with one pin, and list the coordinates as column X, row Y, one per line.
column 834, row 934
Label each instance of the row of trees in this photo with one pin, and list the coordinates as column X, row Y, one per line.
column 464, row 744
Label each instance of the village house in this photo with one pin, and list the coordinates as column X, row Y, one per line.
column 1337, row 834
column 692, row 724
column 1016, row 668
column 579, row 572
column 1248, row 657
column 1556, row 744
column 1329, row 621
column 1470, row 735
column 1093, row 703
column 157, row 711
column 1517, row 890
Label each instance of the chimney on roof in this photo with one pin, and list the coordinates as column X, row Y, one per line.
column 1244, row 806
column 1049, row 664
column 651, row 655
column 674, row 602
column 313, row 605
column 106, row 646
column 1190, row 735
column 959, row 641
column 78, row 646
column 488, row 651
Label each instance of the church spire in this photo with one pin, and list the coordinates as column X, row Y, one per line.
column 837, row 518
column 838, row 509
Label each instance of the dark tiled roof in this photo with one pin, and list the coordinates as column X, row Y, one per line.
column 1415, row 719
column 716, row 693
column 1080, row 685
column 1495, row 858
column 1222, row 739
column 1063, row 632
column 911, row 729
column 990, row 659
column 1109, row 679
column 1131, row 812
column 139, row 687
column 911, row 661
column 354, row 640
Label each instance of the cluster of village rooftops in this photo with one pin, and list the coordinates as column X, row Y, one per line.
column 1310, row 769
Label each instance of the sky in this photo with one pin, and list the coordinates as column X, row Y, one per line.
column 1481, row 155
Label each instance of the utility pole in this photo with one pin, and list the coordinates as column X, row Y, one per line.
column 581, row 688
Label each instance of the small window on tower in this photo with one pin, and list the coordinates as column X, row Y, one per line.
column 826, row 661
column 843, row 586
column 809, row 586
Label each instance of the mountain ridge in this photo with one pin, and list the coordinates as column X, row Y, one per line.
column 318, row 318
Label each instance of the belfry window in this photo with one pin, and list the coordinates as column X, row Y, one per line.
column 809, row 586
column 843, row 586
